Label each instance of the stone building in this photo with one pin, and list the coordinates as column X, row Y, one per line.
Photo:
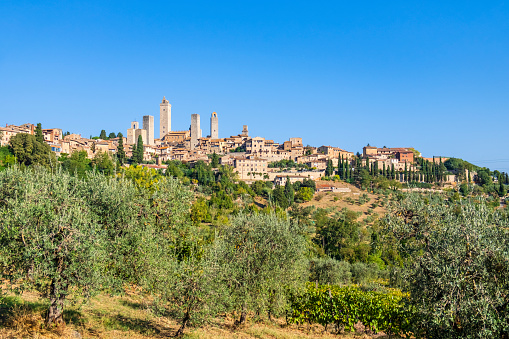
column 176, row 136
column 245, row 132
column 195, row 130
column 214, row 126
column 250, row 168
column 134, row 132
column 148, row 125
column 164, row 118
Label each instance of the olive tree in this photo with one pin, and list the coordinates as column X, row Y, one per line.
column 458, row 265
column 256, row 259
column 62, row 235
column 328, row 271
column 49, row 238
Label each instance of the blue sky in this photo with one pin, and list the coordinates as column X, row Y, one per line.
column 433, row 75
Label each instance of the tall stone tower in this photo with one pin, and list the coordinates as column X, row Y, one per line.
column 245, row 132
column 131, row 132
column 214, row 126
column 195, row 130
column 165, row 118
column 148, row 125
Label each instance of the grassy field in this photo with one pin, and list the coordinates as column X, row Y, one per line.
column 130, row 316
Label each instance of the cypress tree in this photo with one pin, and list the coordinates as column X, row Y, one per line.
column 347, row 170
column 507, row 179
column 139, row 150
column 103, row 135
column 289, row 191
column 330, row 168
column 384, row 172
column 393, row 172
column 502, row 191
column 405, row 174
column 120, row 149
column 38, row 133
column 340, row 167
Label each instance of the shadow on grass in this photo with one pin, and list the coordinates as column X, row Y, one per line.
column 9, row 304
column 125, row 323
column 133, row 304
column 74, row 316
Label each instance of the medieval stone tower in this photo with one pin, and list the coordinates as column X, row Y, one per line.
column 195, row 130
column 148, row 125
column 165, row 118
column 134, row 132
column 245, row 132
column 214, row 126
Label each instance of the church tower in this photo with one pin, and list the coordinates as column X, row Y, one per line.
column 165, row 118
column 214, row 125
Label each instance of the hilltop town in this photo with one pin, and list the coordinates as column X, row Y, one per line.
column 253, row 158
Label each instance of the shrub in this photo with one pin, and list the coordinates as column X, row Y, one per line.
column 328, row 271
column 346, row 306
column 364, row 273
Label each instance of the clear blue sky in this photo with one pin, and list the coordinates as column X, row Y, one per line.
column 429, row 74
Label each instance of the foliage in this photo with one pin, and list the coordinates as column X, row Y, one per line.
column 120, row 149
column 103, row 163
column 364, row 273
column 214, row 160
column 456, row 164
column 285, row 163
column 54, row 237
column 304, row 194
column 258, row 258
column 6, row 158
column 328, row 271
column 38, row 133
column 346, row 306
column 142, row 177
column 28, row 151
column 199, row 211
column 458, row 265
column 77, row 163
column 338, row 236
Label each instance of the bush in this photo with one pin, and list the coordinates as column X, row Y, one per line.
column 346, row 306
column 328, row 271
column 364, row 273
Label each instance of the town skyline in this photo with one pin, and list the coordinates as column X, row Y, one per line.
column 156, row 126
column 430, row 76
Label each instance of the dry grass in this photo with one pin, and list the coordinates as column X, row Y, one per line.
column 338, row 201
column 129, row 316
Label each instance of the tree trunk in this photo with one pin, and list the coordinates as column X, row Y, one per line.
column 243, row 316
column 180, row 332
column 56, row 308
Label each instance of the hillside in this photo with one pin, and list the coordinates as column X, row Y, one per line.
column 349, row 200
column 131, row 316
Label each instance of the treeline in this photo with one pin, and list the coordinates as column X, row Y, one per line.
column 424, row 171
column 287, row 164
